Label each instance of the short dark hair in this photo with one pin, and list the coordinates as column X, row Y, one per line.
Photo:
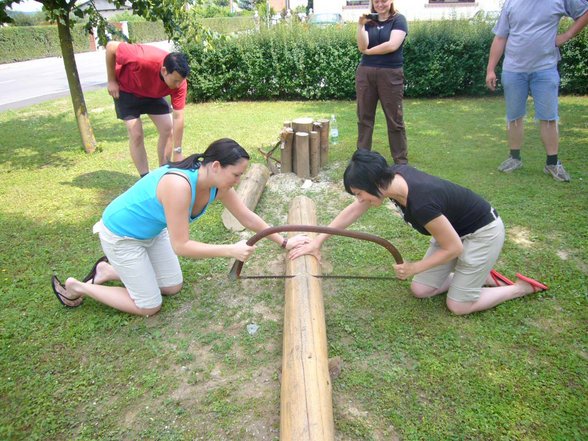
column 176, row 62
column 367, row 171
column 226, row 151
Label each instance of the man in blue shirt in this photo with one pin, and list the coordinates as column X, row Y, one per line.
column 526, row 33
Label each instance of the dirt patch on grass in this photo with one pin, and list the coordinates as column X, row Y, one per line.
column 520, row 236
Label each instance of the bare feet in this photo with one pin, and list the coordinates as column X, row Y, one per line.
column 524, row 288
column 104, row 273
column 74, row 288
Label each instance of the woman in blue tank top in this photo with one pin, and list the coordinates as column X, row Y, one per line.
column 145, row 229
column 467, row 233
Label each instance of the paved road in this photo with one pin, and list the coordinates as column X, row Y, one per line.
column 35, row 81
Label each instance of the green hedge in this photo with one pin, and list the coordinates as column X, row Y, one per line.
column 281, row 63
column 442, row 58
column 228, row 25
column 146, row 31
column 20, row 43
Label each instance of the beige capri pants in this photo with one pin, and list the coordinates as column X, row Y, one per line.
column 144, row 266
column 471, row 268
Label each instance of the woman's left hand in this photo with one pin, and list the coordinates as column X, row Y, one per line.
column 296, row 241
column 405, row 270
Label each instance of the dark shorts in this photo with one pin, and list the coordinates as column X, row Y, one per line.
column 129, row 106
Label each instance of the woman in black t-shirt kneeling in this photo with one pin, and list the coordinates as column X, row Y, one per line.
column 467, row 233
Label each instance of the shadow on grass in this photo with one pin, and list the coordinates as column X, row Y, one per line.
column 104, row 180
column 37, row 137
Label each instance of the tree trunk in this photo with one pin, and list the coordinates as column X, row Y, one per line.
column 75, row 87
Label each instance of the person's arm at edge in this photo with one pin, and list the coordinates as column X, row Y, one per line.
column 112, row 83
column 345, row 218
column 496, row 52
column 574, row 30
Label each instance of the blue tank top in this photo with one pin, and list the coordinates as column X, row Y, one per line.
column 137, row 213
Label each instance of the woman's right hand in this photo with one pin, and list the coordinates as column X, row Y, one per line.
column 362, row 20
column 241, row 251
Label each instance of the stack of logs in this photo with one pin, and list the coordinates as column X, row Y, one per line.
column 304, row 146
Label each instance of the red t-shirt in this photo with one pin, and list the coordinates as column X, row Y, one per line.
column 138, row 69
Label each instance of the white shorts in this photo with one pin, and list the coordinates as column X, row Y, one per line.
column 144, row 266
column 471, row 268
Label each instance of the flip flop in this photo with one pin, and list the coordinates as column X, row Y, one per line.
column 496, row 276
column 92, row 274
column 537, row 286
column 55, row 283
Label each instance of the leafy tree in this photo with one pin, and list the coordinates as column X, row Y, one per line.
column 64, row 12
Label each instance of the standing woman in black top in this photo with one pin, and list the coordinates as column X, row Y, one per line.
column 380, row 76
column 466, row 233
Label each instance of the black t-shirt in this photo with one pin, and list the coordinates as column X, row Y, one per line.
column 430, row 197
column 378, row 33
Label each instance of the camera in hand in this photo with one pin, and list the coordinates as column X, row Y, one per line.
column 372, row 16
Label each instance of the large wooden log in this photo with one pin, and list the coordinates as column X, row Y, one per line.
column 302, row 155
column 249, row 190
column 306, row 411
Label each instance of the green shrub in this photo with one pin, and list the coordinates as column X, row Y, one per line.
column 280, row 63
column 442, row 58
column 228, row 25
column 573, row 66
column 446, row 58
column 20, row 43
column 146, row 31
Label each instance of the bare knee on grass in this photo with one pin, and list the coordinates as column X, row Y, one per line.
column 171, row 290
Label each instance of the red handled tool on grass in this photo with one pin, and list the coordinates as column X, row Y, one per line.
column 235, row 272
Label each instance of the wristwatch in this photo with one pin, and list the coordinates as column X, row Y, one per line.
column 177, row 149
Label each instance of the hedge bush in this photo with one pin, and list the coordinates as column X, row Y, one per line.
column 146, row 31
column 442, row 58
column 20, row 43
column 228, row 25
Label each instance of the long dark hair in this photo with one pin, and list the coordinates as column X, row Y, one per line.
column 368, row 171
column 226, row 151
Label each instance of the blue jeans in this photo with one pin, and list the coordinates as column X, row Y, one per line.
column 544, row 88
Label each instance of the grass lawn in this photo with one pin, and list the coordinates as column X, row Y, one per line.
column 411, row 370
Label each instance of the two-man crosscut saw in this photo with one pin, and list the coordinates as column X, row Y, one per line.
column 235, row 272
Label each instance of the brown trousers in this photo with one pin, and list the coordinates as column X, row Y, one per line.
column 387, row 85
